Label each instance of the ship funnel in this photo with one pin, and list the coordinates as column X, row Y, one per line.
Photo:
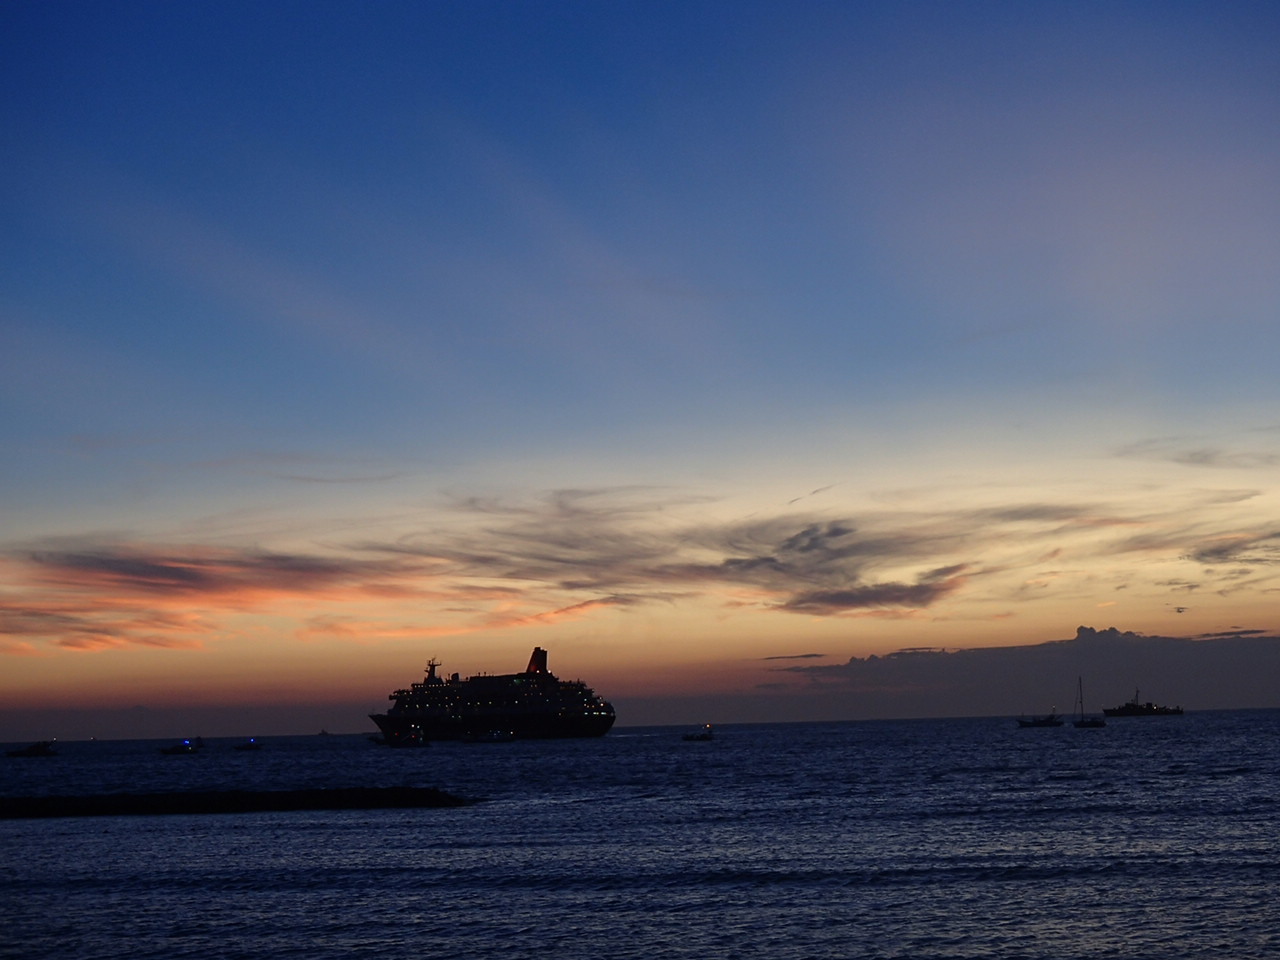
column 537, row 662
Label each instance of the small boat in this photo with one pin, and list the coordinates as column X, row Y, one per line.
column 1081, row 721
column 42, row 748
column 702, row 735
column 1136, row 708
column 1050, row 719
column 250, row 744
column 182, row 749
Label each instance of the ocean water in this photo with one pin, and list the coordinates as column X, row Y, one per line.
column 915, row 839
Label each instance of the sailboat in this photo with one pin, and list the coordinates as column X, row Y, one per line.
column 1081, row 720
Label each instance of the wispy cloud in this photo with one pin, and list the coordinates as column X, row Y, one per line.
column 1199, row 452
column 99, row 595
column 490, row 565
column 1261, row 548
column 18, row 648
column 232, row 576
column 96, row 624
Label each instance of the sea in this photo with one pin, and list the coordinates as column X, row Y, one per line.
column 966, row 838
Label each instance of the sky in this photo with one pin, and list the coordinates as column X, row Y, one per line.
column 724, row 350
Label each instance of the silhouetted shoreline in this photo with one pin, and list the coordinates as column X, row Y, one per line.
column 226, row 801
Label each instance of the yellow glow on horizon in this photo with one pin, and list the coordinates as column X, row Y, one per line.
column 642, row 594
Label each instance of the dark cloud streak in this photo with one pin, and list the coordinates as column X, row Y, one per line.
column 905, row 595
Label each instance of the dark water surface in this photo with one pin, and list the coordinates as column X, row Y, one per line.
column 921, row 839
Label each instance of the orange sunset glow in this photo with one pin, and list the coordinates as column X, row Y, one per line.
column 723, row 375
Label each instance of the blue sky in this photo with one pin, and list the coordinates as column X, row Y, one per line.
column 322, row 280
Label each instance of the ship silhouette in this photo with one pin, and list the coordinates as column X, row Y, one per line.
column 534, row 704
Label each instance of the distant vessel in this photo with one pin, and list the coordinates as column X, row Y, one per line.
column 703, row 734
column 1136, row 708
column 1050, row 719
column 532, row 704
column 491, row 736
column 42, row 748
column 1081, row 720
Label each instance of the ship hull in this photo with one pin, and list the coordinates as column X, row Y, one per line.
column 1142, row 710
column 409, row 729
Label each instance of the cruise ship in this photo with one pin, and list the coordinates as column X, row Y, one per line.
column 532, row 704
